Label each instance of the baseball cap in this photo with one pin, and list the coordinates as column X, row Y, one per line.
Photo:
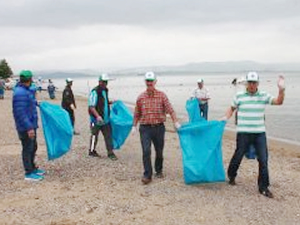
column 200, row 80
column 104, row 77
column 150, row 76
column 252, row 76
column 69, row 80
column 26, row 74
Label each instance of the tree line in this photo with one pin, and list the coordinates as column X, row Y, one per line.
column 5, row 70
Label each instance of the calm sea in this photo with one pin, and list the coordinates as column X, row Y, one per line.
column 283, row 122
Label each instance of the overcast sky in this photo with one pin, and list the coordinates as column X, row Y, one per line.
column 101, row 34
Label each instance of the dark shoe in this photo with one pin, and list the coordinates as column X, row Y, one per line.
column 93, row 154
column 266, row 193
column 232, row 181
column 146, row 180
column 112, row 156
column 76, row 133
column 159, row 175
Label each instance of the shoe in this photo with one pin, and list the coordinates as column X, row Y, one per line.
column 146, row 180
column 93, row 154
column 33, row 177
column 231, row 181
column 112, row 156
column 159, row 175
column 76, row 133
column 266, row 193
column 39, row 172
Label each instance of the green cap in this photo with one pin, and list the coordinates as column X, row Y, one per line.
column 69, row 80
column 26, row 74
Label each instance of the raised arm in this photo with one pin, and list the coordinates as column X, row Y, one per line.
column 281, row 86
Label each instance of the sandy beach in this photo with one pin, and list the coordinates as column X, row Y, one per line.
column 78, row 189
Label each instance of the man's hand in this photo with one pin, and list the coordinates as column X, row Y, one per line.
column 112, row 101
column 223, row 118
column 281, row 83
column 72, row 106
column 31, row 133
column 99, row 120
column 133, row 130
column 177, row 125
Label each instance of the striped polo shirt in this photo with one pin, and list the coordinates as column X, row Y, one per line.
column 251, row 111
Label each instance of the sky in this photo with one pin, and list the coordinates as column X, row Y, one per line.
column 114, row 34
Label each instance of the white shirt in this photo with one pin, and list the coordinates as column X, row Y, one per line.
column 201, row 93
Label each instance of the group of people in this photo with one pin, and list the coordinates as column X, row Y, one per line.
column 150, row 112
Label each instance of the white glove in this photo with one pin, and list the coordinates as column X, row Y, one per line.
column 133, row 130
column 177, row 125
column 72, row 106
column 281, row 83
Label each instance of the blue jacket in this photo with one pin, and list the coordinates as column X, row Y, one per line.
column 24, row 108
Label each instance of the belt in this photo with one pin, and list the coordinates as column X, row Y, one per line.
column 153, row 125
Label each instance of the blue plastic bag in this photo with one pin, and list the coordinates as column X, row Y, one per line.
column 251, row 154
column 201, row 144
column 193, row 109
column 121, row 120
column 58, row 130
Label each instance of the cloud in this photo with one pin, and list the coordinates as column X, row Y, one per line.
column 64, row 34
column 73, row 13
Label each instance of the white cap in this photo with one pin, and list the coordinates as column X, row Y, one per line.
column 104, row 77
column 200, row 80
column 69, row 80
column 252, row 76
column 150, row 76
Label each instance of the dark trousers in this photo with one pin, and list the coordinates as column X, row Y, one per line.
column 29, row 147
column 243, row 142
column 106, row 132
column 204, row 110
column 72, row 116
column 152, row 134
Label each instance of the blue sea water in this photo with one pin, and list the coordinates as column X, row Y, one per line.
column 282, row 122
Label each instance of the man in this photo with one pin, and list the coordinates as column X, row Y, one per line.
column 39, row 84
column 2, row 89
column 250, row 105
column 99, row 111
column 150, row 111
column 68, row 102
column 51, row 89
column 202, row 94
column 26, row 120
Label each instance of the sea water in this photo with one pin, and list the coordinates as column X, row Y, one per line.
column 282, row 122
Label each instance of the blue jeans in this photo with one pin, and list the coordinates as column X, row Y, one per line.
column 152, row 134
column 243, row 142
column 29, row 147
column 204, row 110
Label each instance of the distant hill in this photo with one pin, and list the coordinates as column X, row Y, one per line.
column 190, row 68
column 219, row 67
column 63, row 74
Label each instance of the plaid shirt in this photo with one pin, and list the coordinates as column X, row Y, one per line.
column 152, row 107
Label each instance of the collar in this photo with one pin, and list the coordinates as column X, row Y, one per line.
column 254, row 94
